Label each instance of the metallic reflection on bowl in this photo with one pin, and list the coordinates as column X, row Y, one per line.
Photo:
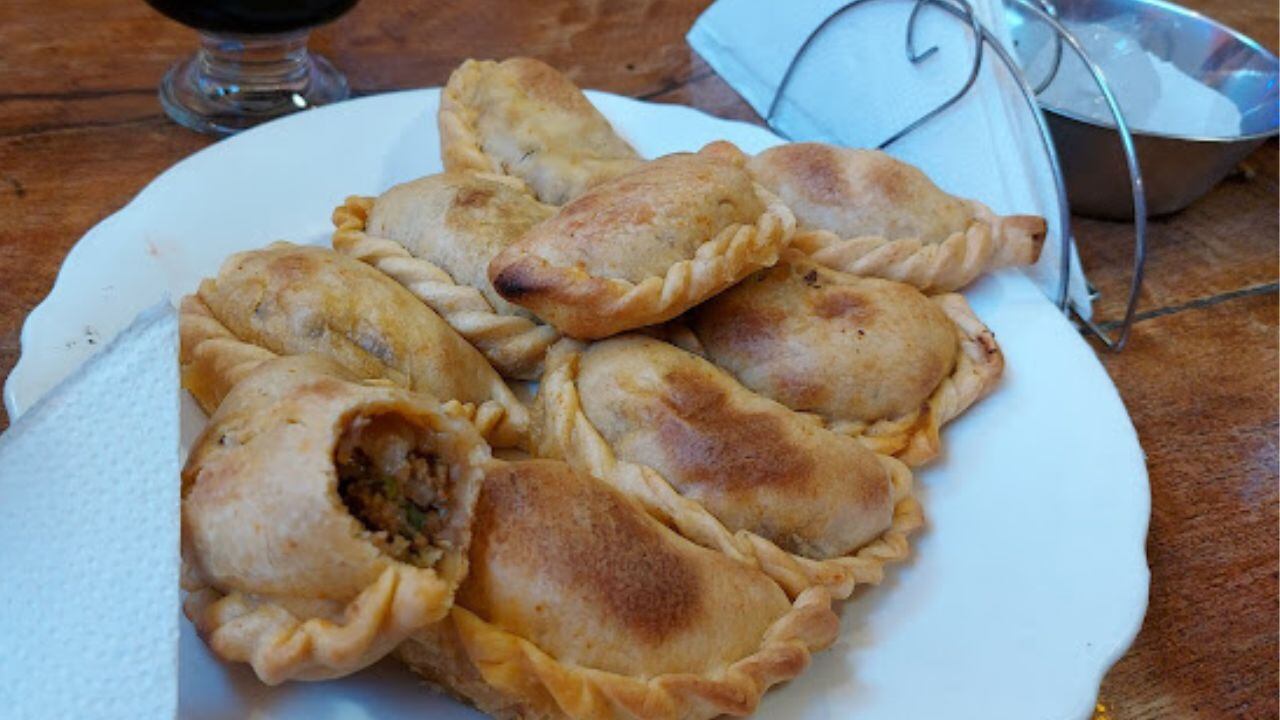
column 1177, row 169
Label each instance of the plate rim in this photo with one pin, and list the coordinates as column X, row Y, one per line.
column 59, row 290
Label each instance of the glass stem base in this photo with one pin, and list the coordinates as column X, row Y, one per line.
column 234, row 82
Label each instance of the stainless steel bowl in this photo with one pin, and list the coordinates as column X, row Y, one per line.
column 1176, row 169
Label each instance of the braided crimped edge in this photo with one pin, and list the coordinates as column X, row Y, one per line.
column 520, row 679
column 914, row 439
column 213, row 360
column 280, row 646
column 565, row 431
column 989, row 242
column 514, row 345
column 585, row 306
column 460, row 146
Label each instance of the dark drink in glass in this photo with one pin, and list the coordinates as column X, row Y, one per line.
column 252, row 17
column 252, row 64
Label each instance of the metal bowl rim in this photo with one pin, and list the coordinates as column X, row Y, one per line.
column 1244, row 39
column 1228, row 140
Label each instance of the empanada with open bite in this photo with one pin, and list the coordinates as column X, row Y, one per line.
column 873, row 358
column 645, row 246
column 436, row 235
column 324, row 520
column 293, row 299
column 580, row 605
column 523, row 118
column 866, row 213
column 730, row 469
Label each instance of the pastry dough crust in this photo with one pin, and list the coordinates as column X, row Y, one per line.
column 872, row 358
column 659, row 435
column 642, row 248
column 212, row 359
column 436, row 236
column 293, row 299
column 865, row 213
column 580, row 605
column 281, row 574
column 523, row 118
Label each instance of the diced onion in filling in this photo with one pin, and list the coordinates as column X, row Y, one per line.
column 396, row 487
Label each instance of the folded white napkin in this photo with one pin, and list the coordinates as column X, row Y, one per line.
column 89, row 516
column 856, row 87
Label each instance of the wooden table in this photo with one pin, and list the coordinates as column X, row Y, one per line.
column 81, row 132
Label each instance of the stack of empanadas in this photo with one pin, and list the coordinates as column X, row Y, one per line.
column 707, row 375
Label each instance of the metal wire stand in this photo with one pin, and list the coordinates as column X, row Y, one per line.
column 983, row 40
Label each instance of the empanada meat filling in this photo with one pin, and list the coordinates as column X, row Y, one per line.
column 396, row 487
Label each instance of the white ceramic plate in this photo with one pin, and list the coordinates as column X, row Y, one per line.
column 1027, row 583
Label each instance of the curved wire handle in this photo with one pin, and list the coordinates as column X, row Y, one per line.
column 1057, row 50
column 916, row 58
column 1135, row 181
column 912, row 55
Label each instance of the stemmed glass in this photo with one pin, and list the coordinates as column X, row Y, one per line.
column 252, row 64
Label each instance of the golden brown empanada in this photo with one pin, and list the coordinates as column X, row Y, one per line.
column 728, row 468
column 324, row 520
column 873, row 358
column 436, row 236
column 292, row 300
column 644, row 247
column 522, row 118
column 863, row 212
column 580, row 605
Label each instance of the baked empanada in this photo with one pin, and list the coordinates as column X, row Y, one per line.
column 522, row 118
column 873, row 358
column 293, row 299
column 863, row 212
column 436, row 236
column 730, row 469
column 644, row 247
column 580, row 605
column 324, row 520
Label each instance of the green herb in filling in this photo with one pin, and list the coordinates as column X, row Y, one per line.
column 404, row 507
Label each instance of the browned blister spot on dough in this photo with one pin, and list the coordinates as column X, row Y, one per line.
column 817, row 172
column 802, row 390
column 473, row 196
column 289, row 268
column 517, row 280
column 734, row 320
column 326, row 388
column 713, row 443
column 846, row 303
column 887, row 177
column 530, row 277
column 747, row 328
column 582, row 536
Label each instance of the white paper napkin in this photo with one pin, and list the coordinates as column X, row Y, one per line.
column 89, row 517
column 856, row 87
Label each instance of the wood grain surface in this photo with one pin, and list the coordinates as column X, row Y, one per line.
column 81, row 132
